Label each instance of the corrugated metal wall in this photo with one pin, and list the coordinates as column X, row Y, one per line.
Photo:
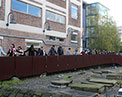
column 25, row 66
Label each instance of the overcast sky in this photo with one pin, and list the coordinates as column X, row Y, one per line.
column 115, row 7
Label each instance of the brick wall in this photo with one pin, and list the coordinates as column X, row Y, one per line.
column 58, row 26
column 2, row 10
column 72, row 21
column 60, row 3
column 26, row 19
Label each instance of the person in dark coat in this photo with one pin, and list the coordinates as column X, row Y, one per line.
column 31, row 51
column 60, row 50
column 41, row 52
column 52, row 51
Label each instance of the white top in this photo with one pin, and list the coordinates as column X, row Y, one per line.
column 120, row 90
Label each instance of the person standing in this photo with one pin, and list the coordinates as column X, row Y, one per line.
column 76, row 52
column 31, row 51
column 60, row 50
column 12, row 50
column 52, row 51
column 42, row 52
column 20, row 51
column 68, row 51
column 2, row 52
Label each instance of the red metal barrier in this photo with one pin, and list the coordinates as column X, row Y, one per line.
column 24, row 66
column 39, row 64
column 51, row 64
column 7, row 67
column 29, row 66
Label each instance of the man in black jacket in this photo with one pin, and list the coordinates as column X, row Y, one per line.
column 31, row 51
column 60, row 50
column 52, row 51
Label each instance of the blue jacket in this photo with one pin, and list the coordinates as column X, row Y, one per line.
column 2, row 52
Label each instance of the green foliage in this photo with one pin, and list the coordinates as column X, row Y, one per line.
column 67, row 79
column 8, row 83
column 105, row 36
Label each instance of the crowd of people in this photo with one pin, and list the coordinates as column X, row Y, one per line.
column 31, row 51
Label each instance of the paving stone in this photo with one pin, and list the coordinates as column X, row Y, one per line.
column 61, row 82
column 97, row 72
column 105, row 81
column 107, row 71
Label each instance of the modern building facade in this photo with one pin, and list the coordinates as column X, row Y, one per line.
column 120, row 31
column 34, row 16
column 91, row 11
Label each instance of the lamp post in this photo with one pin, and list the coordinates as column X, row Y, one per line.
column 49, row 28
column 13, row 21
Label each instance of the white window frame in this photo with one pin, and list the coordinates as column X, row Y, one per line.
column 55, row 15
column 0, row 3
column 33, row 41
column 74, row 33
column 27, row 12
column 76, row 8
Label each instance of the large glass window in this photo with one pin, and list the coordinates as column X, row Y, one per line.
column 33, row 10
column 19, row 6
column 92, row 9
column 91, row 20
column 55, row 17
column 26, row 8
column 74, row 11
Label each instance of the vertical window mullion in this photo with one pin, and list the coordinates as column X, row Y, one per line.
column 27, row 8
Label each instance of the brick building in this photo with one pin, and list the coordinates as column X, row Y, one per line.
column 33, row 16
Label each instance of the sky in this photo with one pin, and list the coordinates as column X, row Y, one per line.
column 115, row 7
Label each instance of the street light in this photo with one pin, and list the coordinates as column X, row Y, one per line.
column 49, row 28
column 13, row 21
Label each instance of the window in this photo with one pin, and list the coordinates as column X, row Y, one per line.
column 0, row 3
column 55, row 17
column 36, row 43
column 26, row 8
column 60, row 39
column 19, row 6
column 74, row 11
column 53, row 38
column 33, row 10
column 91, row 20
column 74, row 37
